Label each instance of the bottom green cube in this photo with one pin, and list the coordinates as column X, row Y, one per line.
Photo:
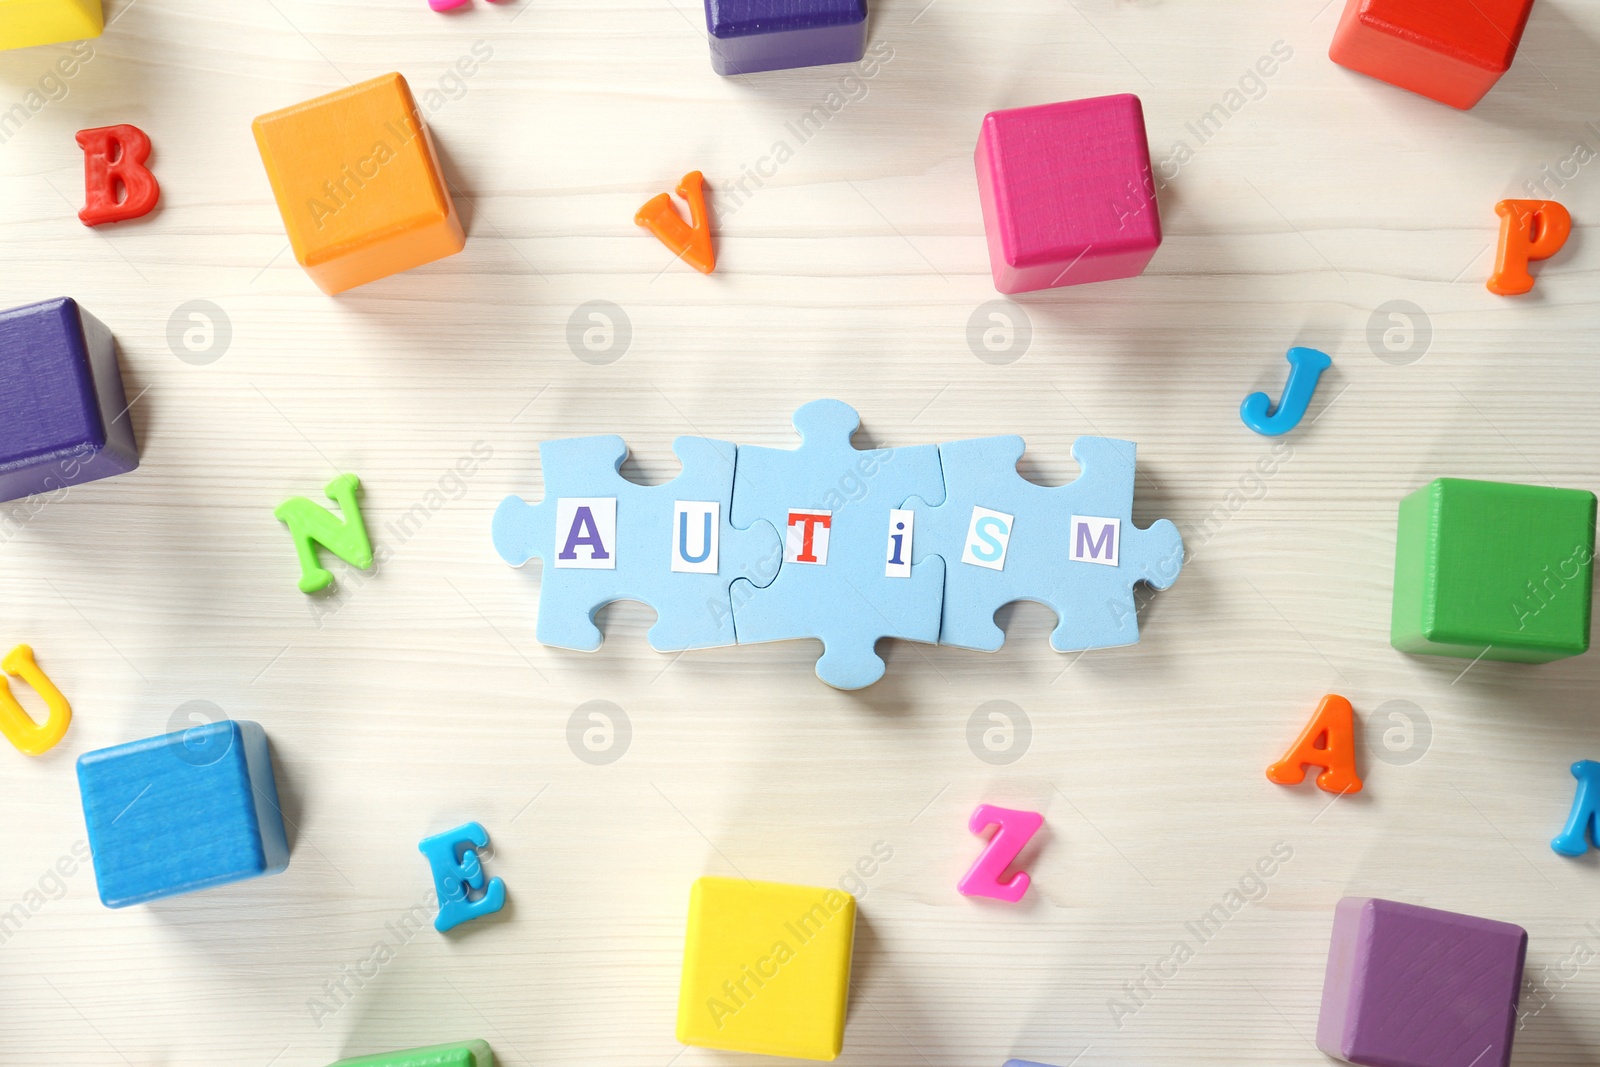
column 460, row 1054
column 1494, row 570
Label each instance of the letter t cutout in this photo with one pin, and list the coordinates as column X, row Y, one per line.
column 458, row 873
column 1016, row 829
column 115, row 156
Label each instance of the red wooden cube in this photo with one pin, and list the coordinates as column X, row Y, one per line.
column 1452, row 51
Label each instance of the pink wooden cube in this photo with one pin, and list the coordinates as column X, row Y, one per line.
column 1067, row 193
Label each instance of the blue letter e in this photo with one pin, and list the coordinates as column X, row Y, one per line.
column 457, row 874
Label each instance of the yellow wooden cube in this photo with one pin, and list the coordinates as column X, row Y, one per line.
column 25, row 23
column 766, row 968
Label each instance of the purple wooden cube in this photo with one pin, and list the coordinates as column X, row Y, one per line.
column 63, row 413
column 1067, row 193
column 1416, row 987
column 754, row 35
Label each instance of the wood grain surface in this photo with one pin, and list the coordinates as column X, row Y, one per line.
column 851, row 264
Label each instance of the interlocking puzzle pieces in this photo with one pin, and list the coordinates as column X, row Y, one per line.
column 460, row 1054
column 749, row 36
column 603, row 538
column 1494, row 570
column 358, row 183
column 32, row 738
column 766, row 968
column 1067, row 193
column 836, row 505
column 1408, row 986
column 181, row 812
column 63, row 413
column 1450, row 50
column 1073, row 548
column 25, row 23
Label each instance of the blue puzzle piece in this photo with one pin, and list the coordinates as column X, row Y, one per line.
column 692, row 609
column 181, row 812
column 847, row 603
column 1031, row 549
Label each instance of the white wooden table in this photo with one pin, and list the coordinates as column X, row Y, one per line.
column 417, row 698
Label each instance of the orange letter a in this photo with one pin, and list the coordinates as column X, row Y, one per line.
column 1334, row 726
column 689, row 241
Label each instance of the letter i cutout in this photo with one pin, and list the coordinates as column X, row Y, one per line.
column 114, row 156
column 1334, row 726
column 1581, row 830
column 31, row 737
column 691, row 241
column 1016, row 829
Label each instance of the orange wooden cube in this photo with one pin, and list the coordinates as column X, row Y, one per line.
column 358, row 184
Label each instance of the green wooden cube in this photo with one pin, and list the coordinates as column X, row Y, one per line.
column 460, row 1054
column 1494, row 570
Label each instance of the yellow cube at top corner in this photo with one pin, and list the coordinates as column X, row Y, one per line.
column 25, row 23
column 766, row 968
column 358, row 184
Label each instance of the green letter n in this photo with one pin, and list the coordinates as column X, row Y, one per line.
column 311, row 524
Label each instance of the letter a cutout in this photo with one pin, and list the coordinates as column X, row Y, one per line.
column 691, row 241
column 312, row 524
column 1329, row 742
column 20, row 729
column 115, row 156
column 1016, row 829
column 1581, row 830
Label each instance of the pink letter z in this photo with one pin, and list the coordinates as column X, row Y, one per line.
column 1016, row 830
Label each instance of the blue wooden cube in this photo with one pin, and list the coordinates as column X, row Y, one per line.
column 63, row 413
column 755, row 35
column 181, row 812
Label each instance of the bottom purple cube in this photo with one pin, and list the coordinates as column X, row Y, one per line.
column 749, row 36
column 63, row 413
column 1416, row 987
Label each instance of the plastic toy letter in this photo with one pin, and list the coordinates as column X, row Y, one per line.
column 1581, row 829
column 1334, row 726
column 690, row 241
column 312, row 524
column 31, row 737
column 458, row 874
column 1529, row 230
column 1016, row 829
column 113, row 157
column 1305, row 369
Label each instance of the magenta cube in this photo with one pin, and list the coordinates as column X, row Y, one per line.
column 1067, row 192
column 1415, row 987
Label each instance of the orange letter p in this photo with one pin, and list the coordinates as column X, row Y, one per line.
column 1530, row 230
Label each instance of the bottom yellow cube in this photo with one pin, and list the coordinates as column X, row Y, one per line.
column 766, row 968
column 25, row 23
